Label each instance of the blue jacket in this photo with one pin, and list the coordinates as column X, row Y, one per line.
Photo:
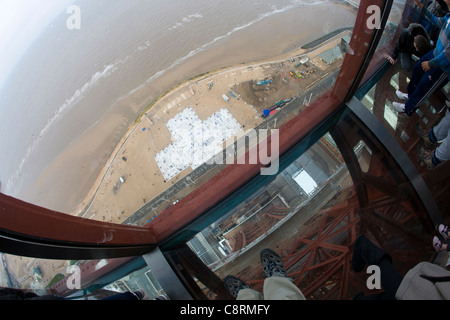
column 442, row 51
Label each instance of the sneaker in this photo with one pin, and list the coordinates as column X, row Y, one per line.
column 425, row 157
column 437, row 244
column 425, row 135
column 272, row 264
column 140, row 294
column 399, row 107
column 401, row 95
column 443, row 231
column 234, row 285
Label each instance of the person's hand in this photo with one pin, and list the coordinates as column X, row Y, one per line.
column 389, row 58
column 425, row 66
column 418, row 4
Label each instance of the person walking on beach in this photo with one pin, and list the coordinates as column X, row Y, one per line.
column 431, row 72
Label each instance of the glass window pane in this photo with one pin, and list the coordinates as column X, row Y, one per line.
column 382, row 93
column 96, row 146
column 312, row 222
column 53, row 277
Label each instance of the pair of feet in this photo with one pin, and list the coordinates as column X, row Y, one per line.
column 272, row 266
column 444, row 232
column 400, row 107
column 424, row 152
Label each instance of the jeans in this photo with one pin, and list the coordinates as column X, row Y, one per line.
column 441, row 132
column 423, row 84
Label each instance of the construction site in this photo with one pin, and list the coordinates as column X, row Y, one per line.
column 291, row 78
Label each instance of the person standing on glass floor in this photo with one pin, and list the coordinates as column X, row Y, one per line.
column 440, row 133
column 431, row 72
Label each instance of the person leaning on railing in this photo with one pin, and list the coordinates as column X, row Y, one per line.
column 413, row 40
column 425, row 281
column 431, row 72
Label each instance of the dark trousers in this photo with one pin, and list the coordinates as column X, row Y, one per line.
column 366, row 253
column 390, row 282
column 423, row 84
column 122, row 296
column 406, row 61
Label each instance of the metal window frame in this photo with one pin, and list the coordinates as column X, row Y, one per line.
column 29, row 230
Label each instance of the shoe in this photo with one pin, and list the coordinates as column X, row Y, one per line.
column 399, row 107
column 401, row 95
column 443, row 231
column 140, row 294
column 425, row 157
column 234, row 285
column 437, row 244
column 425, row 135
column 272, row 264
column 366, row 253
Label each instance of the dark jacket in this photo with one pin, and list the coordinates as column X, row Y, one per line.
column 16, row 294
column 405, row 43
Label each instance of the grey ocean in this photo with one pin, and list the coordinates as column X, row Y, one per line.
column 80, row 85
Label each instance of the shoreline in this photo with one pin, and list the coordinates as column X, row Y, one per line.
column 84, row 208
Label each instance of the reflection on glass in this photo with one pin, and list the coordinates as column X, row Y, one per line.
column 391, row 117
column 140, row 280
column 311, row 214
column 280, row 213
column 32, row 274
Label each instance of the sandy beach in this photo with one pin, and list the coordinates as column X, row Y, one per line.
column 132, row 177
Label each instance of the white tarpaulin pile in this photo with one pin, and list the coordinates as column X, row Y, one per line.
column 195, row 141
